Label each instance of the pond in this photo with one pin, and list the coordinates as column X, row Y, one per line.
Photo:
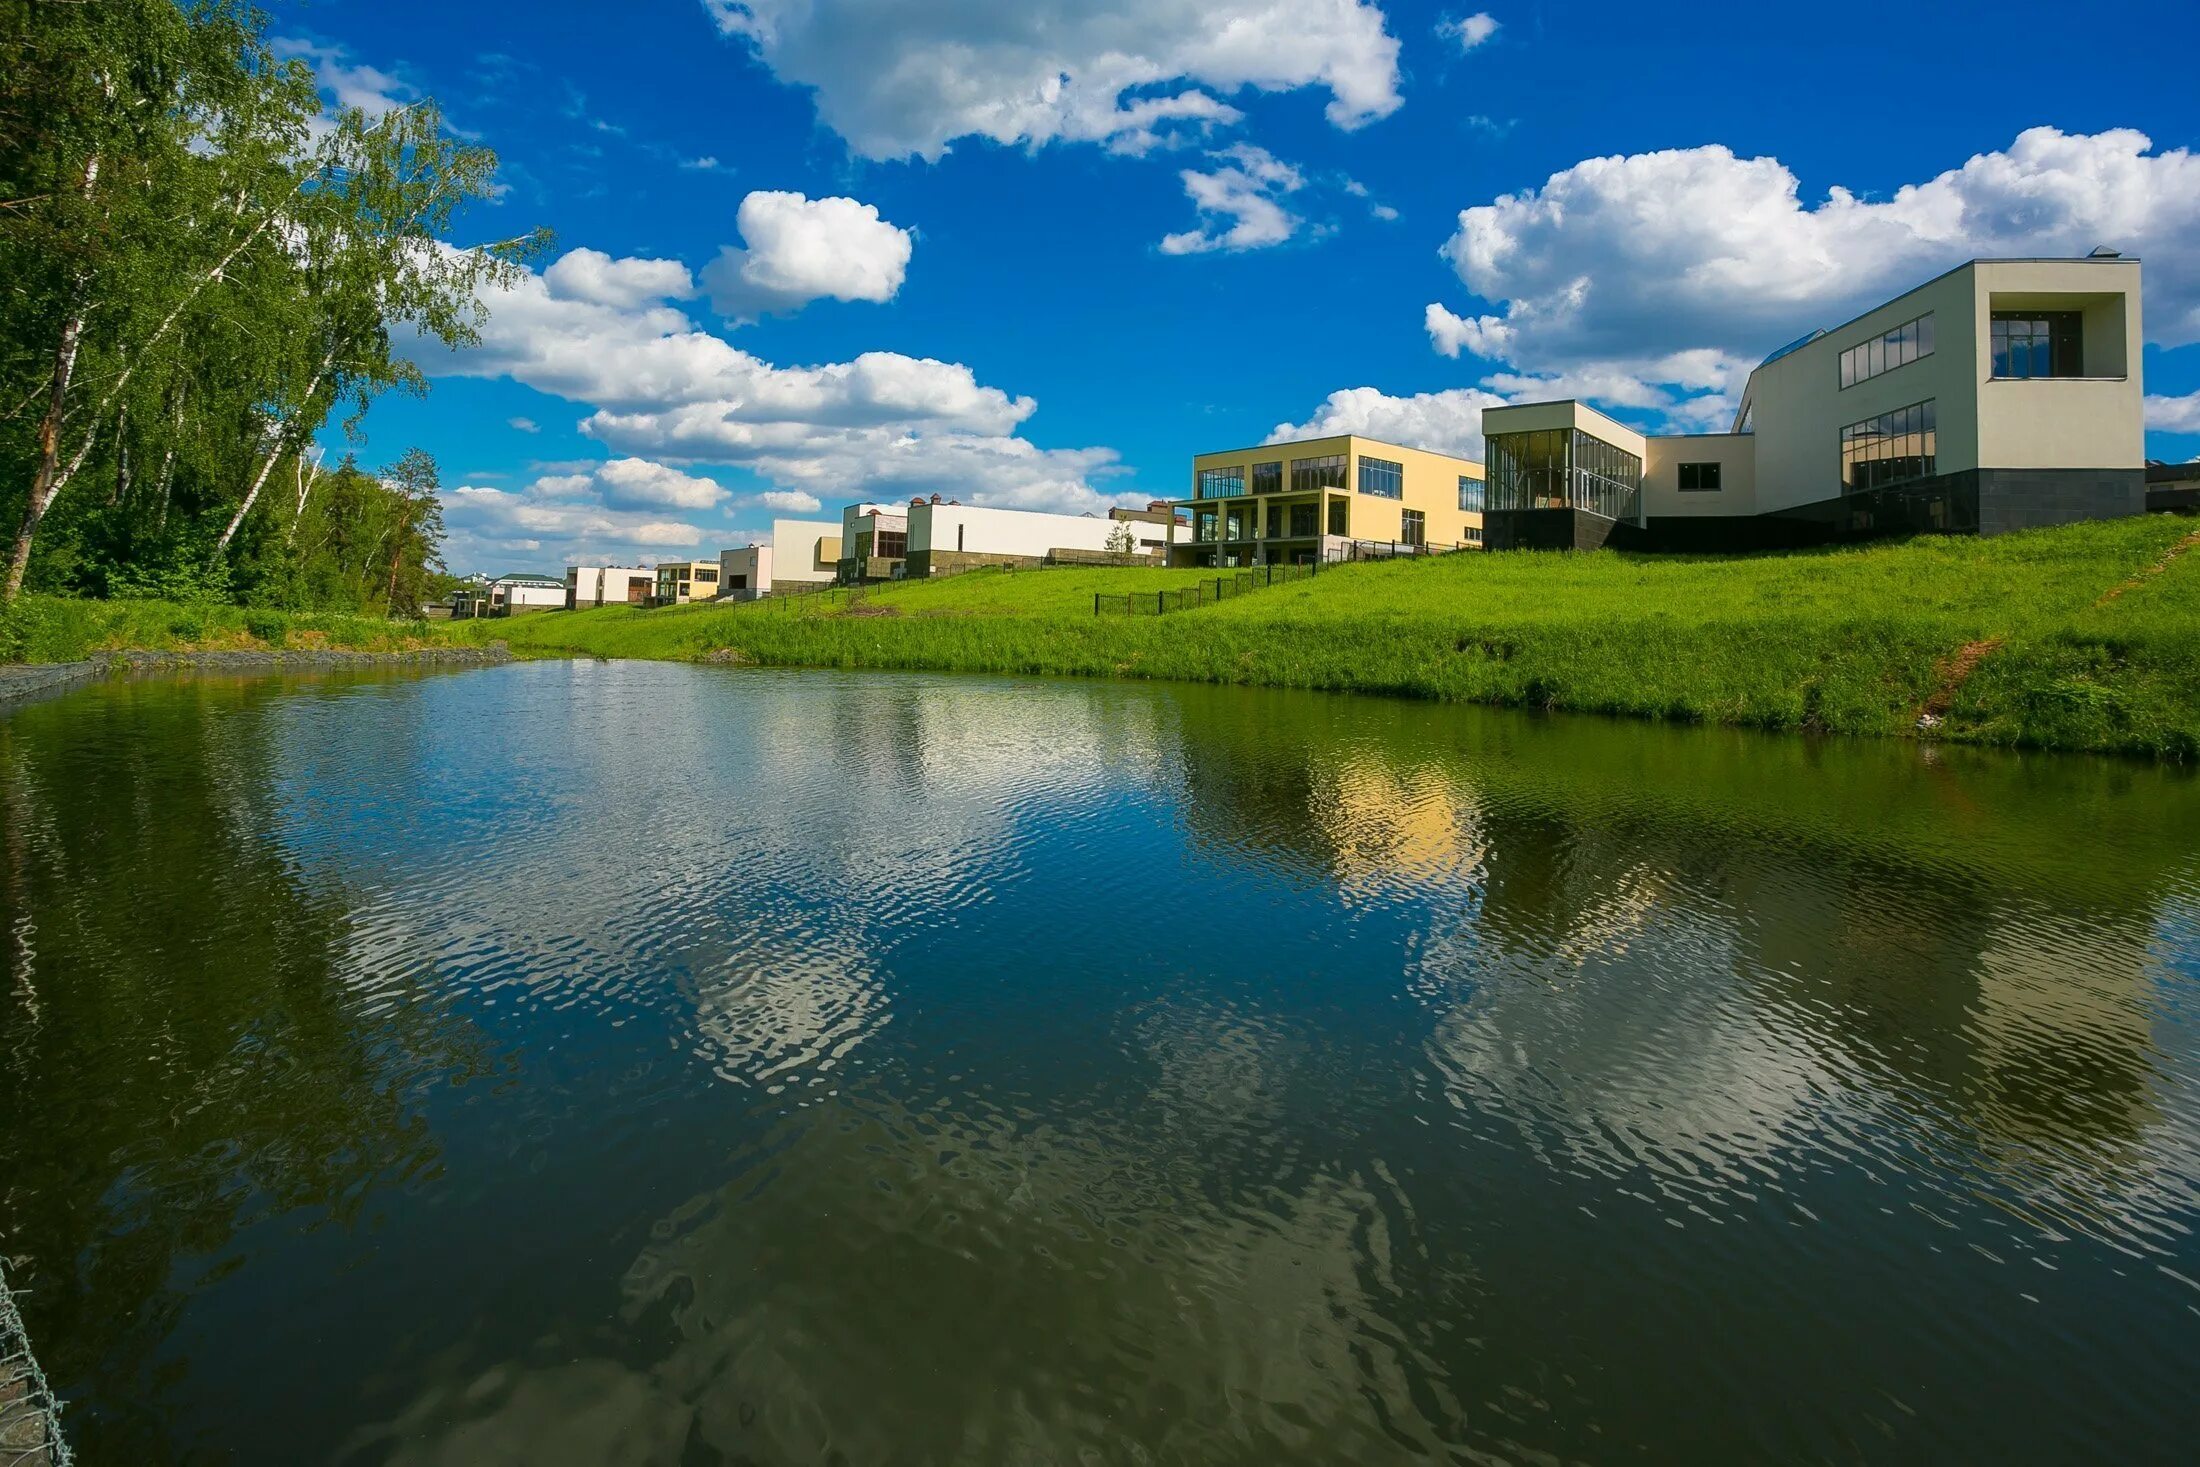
column 642, row 1063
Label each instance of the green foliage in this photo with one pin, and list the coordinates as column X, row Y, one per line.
column 37, row 628
column 202, row 266
column 1849, row 641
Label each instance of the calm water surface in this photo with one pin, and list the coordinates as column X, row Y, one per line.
column 622, row 1063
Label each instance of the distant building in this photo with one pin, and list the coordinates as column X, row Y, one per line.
column 682, row 581
column 509, row 595
column 745, row 574
column 1324, row 499
column 2002, row 395
column 608, row 585
column 805, row 551
column 874, row 541
column 948, row 537
column 2173, row 486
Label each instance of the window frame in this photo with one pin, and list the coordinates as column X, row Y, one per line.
column 1682, row 477
column 1387, row 469
column 1892, row 349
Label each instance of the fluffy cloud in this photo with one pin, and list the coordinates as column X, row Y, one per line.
column 345, row 82
column 523, row 425
column 801, row 249
column 1245, row 190
column 636, row 483
column 1444, row 422
column 898, row 78
column 793, row 501
column 660, row 389
column 595, row 277
column 1677, row 270
column 551, row 523
column 1470, row 32
column 2174, row 414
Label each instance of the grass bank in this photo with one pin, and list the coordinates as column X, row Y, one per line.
column 64, row 629
column 2085, row 637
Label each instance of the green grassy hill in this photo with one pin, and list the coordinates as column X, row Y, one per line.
column 2086, row 637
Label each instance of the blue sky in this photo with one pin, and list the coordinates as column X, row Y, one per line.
column 1040, row 254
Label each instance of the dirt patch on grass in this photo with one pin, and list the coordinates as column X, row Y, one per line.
column 865, row 608
column 1949, row 676
column 2169, row 558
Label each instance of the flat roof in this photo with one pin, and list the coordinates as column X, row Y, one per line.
column 1797, row 348
column 1321, row 437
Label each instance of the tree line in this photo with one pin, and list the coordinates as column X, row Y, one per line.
column 200, row 267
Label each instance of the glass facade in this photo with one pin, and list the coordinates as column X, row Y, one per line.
column 1338, row 516
column 1892, row 448
column 2037, row 344
column 1887, row 351
column 1326, row 472
column 1306, row 521
column 1220, row 483
column 1412, row 527
column 1699, row 478
column 1203, row 525
column 892, row 544
column 1268, row 478
column 1382, row 478
column 1470, row 494
column 1562, row 468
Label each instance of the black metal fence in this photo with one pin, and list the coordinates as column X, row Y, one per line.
column 1200, row 593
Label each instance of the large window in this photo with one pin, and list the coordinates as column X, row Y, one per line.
column 1382, row 478
column 1883, row 353
column 1306, row 521
column 1220, row 483
column 1892, row 448
column 891, row 545
column 1470, row 494
column 1203, row 525
column 1326, row 472
column 2037, row 344
column 1412, row 527
column 1338, row 516
column 1268, row 478
column 1559, row 468
column 1699, row 478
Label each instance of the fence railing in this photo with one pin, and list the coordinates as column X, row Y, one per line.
column 1358, row 550
column 1205, row 592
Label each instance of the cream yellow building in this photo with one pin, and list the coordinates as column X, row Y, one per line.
column 680, row 581
column 1326, row 499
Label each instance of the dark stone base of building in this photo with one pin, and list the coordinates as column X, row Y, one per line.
column 1974, row 502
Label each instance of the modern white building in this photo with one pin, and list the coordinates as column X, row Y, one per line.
column 745, row 574
column 607, row 585
column 874, row 540
column 805, row 552
column 948, row 537
column 509, row 595
column 2003, row 395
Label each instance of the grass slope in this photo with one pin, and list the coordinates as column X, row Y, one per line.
column 2085, row 637
column 1846, row 640
column 64, row 629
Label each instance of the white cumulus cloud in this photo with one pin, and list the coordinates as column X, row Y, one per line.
column 793, row 501
column 2174, row 414
column 1469, row 32
column 797, row 249
column 660, row 388
column 637, row 483
column 901, row 78
column 1442, row 422
column 593, row 276
column 1677, row 270
column 1246, row 191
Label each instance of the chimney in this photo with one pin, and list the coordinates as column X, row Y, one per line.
column 935, row 499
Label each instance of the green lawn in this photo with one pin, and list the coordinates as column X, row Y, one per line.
column 1854, row 641
column 66, row 629
column 1844, row 641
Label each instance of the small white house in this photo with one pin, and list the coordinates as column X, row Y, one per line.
column 745, row 574
column 951, row 537
column 607, row 585
column 805, row 551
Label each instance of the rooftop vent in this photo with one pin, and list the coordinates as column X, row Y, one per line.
column 2103, row 252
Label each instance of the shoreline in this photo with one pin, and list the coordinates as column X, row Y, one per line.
column 23, row 682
